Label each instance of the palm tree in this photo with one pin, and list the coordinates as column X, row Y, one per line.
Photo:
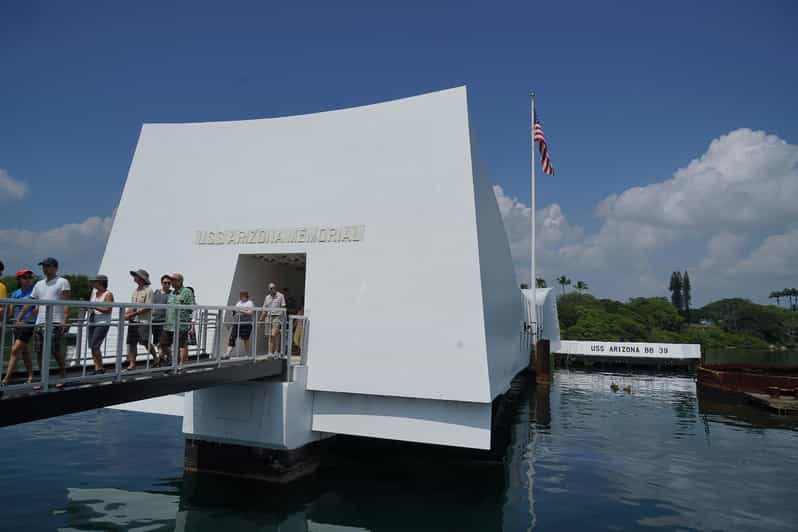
column 777, row 296
column 793, row 294
column 564, row 281
column 581, row 285
column 540, row 282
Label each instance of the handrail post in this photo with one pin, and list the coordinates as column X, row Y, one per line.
column 205, row 318
column 79, row 341
column 304, row 342
column 253, row 335
column 175, row 341
column 217, row 338
column 255, row 332
column 120, row 343
column 6, row 309
column 283, row 334
column 47, row 345
column 290, row 343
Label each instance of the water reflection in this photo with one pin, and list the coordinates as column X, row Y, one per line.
column 576, row 454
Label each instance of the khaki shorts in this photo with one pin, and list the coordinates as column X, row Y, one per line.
column 277, row 324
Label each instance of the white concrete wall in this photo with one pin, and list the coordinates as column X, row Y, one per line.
column 460, row 424
column 424, row 306
column 275, row 415
column 544, row 312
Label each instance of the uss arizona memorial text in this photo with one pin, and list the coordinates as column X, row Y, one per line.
column 338, row 233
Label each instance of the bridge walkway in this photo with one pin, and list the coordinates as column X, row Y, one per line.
column 81, row 387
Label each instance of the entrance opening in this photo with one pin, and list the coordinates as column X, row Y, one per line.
column 255, row 272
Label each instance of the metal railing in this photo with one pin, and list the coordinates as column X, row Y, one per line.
column 96, row 349
column 528, row 335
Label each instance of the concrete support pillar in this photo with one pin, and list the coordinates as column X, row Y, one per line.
column 259, row 430
column 543, row 363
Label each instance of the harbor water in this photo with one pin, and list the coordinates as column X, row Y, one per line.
column 650, row 452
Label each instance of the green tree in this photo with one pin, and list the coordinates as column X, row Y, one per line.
column 563, row 281
column 656, row 313
column 580, row 286
column 686, row 297
column 793, row 295
column 81, row 288
column 676, row 290
column 540, row 282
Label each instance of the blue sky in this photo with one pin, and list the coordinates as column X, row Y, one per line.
column 628, row 92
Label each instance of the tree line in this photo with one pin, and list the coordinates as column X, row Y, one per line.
column 789, row 294
column 732, row 322
column 563, row 281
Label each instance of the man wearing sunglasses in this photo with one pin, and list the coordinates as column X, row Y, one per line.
column 160, row 296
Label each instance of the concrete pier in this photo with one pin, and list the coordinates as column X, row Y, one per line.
column 256, row 430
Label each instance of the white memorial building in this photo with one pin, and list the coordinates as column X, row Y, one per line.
column 381, row 221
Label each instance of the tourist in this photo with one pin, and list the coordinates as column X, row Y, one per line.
column 99, row 321
column 160, row 297
column 290, row 301
column 299, row 333
column 23, row 332
column 139, row 318
column 196, row 316
column 180, row 296
column 53, row 288
column 242, row 326
column 274, row 305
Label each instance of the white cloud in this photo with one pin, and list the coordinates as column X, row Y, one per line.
column 777, row 256
column 745, row 179
column 77, row 246
column 707, row 217
column 552, row 229
column 10, row 188
column 722, row 251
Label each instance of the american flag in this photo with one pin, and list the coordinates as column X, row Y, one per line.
column 538, row 137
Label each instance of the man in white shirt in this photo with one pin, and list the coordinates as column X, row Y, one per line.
column 53, row 288
column 242, row 322
column 274, row 305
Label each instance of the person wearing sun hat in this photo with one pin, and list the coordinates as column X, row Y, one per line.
column 138, row 330
column 24, row 332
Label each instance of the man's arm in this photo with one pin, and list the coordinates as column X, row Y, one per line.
column 66, row 294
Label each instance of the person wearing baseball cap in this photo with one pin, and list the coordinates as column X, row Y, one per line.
column 52, row 287
column 24, row 332
column 138, row 331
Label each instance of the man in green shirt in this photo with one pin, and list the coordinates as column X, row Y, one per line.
column 180, row 295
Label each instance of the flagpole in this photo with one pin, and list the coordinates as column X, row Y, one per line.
column 532, row 273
